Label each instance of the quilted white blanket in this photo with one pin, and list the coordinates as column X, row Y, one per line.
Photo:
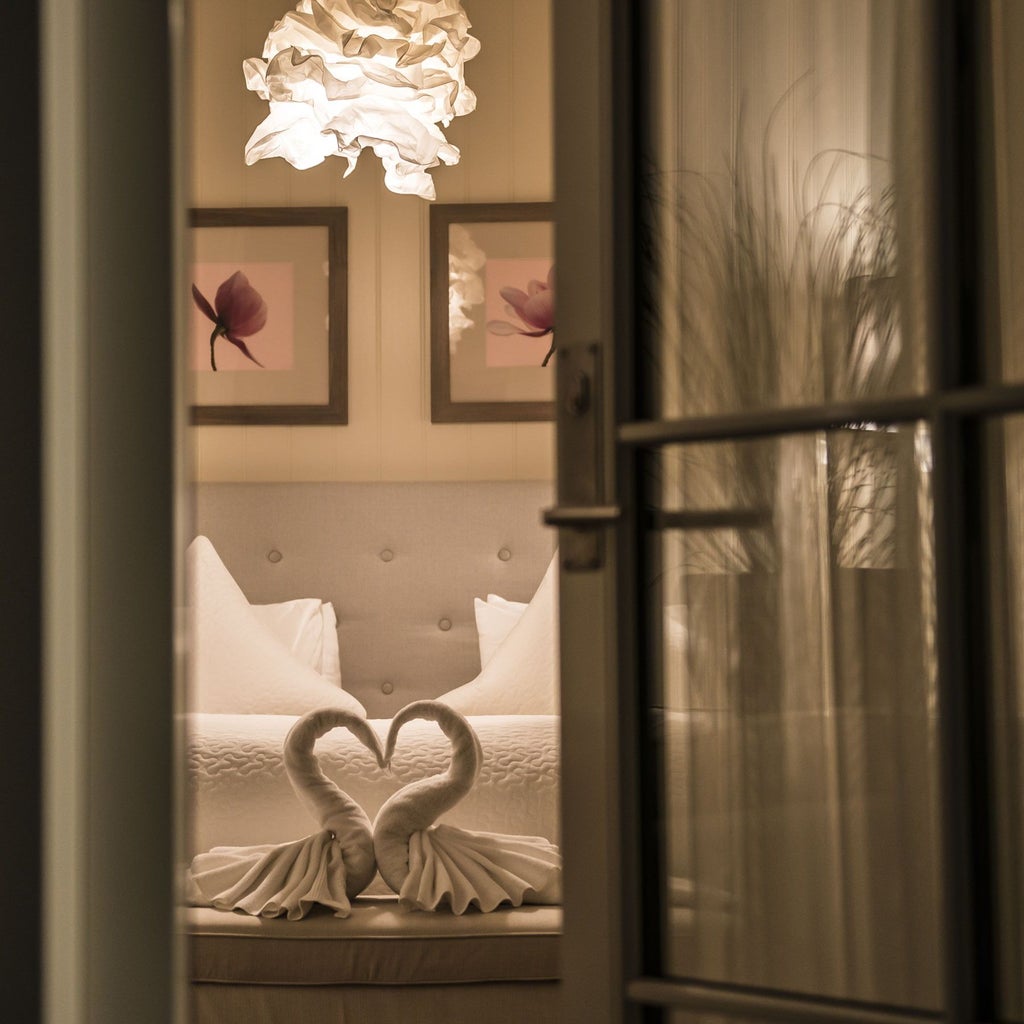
column 239, row 794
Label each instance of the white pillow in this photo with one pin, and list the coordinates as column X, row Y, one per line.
column 521, row 678
column 237, row 666
column 308, row 627
column 515, row 606
column 493, row 624
column 330, row 665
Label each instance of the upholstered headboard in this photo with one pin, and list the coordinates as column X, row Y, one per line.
column 401, row 563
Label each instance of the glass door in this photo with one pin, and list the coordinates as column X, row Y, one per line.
column 789, row 504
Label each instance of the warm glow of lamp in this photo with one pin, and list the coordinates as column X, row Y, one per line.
column 342, row 76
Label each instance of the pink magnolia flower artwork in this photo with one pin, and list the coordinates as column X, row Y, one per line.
column 535, row 308
column 238, row 312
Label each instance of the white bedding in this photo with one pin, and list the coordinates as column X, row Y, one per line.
column 239, row 794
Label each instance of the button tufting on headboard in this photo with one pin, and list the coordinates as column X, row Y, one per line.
column 440, row 545
column 387, row 687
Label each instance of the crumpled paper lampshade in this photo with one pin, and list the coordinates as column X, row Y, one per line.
column 342, row 76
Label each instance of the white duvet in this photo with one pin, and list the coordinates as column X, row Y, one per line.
column 239, row 794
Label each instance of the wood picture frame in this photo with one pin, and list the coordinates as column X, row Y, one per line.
column 476, row 375
column 299, row 257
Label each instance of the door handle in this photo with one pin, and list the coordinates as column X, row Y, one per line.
column 582, row 517
column 584, row 507
column 580, row 540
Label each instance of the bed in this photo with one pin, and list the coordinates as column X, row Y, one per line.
column 406, row 570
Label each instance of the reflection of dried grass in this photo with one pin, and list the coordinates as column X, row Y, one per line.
column 753, row 296
column 863, row 475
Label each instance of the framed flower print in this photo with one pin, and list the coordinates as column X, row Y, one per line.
column 492, row 293
column 267, row 333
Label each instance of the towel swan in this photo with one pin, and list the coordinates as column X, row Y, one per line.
column 336, row 811
column 330, row 867
column 426, row 864
column 430, row 865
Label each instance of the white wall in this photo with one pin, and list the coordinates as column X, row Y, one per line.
column 506, row 157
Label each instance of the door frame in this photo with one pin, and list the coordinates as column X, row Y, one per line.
column 111, row 221
column 594, row 220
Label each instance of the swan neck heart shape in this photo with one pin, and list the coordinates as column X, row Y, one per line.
column 416, row 807
column 334, row 809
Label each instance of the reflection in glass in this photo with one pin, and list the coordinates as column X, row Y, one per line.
column 1006, row 442
column 780, row 196
column 1005, row 362
column 796, row 644
column 1007, row 25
